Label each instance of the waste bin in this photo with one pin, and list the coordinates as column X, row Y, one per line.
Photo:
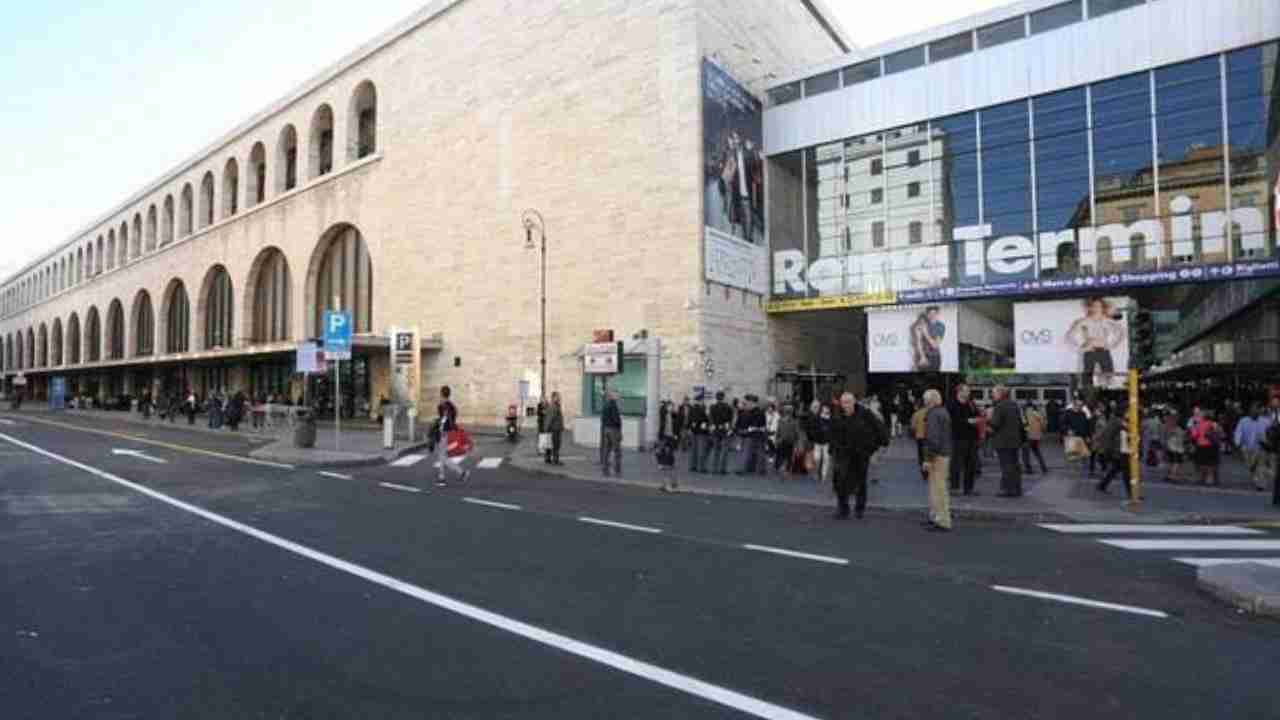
column 304, row 429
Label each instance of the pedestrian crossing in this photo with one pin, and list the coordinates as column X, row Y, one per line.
column 1195, row 545
column 408, row 461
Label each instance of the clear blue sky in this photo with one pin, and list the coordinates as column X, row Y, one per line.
column 102, row 98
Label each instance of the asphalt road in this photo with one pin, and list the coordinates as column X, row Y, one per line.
column 195, row 585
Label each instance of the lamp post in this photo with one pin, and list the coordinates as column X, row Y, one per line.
column 532, row 219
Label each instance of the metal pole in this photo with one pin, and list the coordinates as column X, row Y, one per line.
column 544, row 314
column 337, row 405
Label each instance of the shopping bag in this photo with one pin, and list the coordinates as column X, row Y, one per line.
column 1076, row 449
column 810, row 462
column 544, row 442
column 459, row 443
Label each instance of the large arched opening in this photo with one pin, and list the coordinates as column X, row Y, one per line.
column 362, row 122
column 216, row 309
column 268, row 295
column 340, row 276
column 73, row 339
column 92, row 336
column 144, row 325
column 115, row 331
column 55, row 343
column 176, row 316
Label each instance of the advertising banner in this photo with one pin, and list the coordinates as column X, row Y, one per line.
column 733, row 182
column 1089, row 336
column 918, row 338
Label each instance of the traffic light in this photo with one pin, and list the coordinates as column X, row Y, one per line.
column 1144, row 340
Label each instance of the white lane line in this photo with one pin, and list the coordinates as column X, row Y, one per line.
column 409, row 461
column 6, row 421
column 618, row 661
column 1073, row 600
column 1209, row 562
column 1152, row 530
column 490, row 463
column 623, row 526
column 1190, row 544
column 336, row 476
column 794, row 554
column 490, row 503
column 402, row 488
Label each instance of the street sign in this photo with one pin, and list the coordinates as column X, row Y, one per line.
column 337, row 335
column 310, row 358
column 603, row 359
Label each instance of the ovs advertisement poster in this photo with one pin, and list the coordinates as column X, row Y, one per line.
column 914, row 338
column 1084, row 336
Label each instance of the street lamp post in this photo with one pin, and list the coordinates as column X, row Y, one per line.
column 532, row 219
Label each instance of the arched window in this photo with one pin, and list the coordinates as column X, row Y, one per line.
column 92, row 336
column 42, row 347
column 55, row 342
column 73, row 340
column 144, row 325
column 20, row 352
column 110, row 260
column 123, row 249
column 206, row 200
column 257, row 174
column 342, row 269
column 152, row 226
column 362, row 122
column 115, row 331
column 177, row 319
column 320, row 147
column 135, row 245
column 270, row 286
column 79, row 265
column 186, row 212
column 98, row 259
column 167, row 228
column 230, row 188
column 287, row 160
column 88, row 261
column 31, row 349
column 217, row 310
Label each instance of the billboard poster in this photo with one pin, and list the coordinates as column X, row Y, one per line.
column 1087, row 336
column 916, row 338
column 733, row 157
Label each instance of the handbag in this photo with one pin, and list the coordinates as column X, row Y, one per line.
column 810, row 461
column 458, row 443
column 1076, row 448
column 544, row 442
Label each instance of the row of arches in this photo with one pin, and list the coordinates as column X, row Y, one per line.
column 341, row 271
column 167, row 220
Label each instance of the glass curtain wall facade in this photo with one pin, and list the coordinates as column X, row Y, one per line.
column 1165, row 176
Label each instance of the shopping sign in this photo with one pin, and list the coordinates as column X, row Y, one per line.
column 337, row 335
column 602, row 359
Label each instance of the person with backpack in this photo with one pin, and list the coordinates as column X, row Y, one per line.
column 446, row 422
column 1115, row 446
column 1206, row 436
column 856, row 434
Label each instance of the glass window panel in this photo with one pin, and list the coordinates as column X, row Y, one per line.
column 1006, row 177
column 1098, row 8
column 1253, row 125
column 823, row 83
column 1056, row 17
column 908, row 188
column 1190, row 152
column 904, row 60
column 786, row 207
column 1002, row 32
column 1123, row 171
column 953, row 46
column 862, row 72
column 955, row 169
column 1062, row 176
column 784, row 94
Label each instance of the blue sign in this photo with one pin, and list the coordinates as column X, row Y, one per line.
column 337, row 335
column 58, row 393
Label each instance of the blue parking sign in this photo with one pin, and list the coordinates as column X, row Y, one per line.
column 337, row 335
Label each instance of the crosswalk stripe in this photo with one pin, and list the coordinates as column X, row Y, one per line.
column 409, row 461
column 489, row 463
column 1152, row 530
column 1191, row 544
column 1209, row 562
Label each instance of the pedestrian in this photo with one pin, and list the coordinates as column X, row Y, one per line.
column 191, row 408
column 680, row 424
column 1035, row 432
column 752, row 430
column 699, row 427
column 611, row 434
column 1151, row 444
column 919, row 430
column 235, row 411
column 1006, row 437
column 964, row 442
column 1115, row 444
column 937, row 454
column 1175, row 448
column 855, row 435
column 1249, row 433
column 771, row 419
column 555, row 426
column 447, row 422
column 1097, row 456
column 786, row 442
column 1271, row 443
column 721, row 438
column 1206, row 438
column 818, row 430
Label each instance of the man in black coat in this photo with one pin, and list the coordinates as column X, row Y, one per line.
column 1006, row 438
column 964, row 441
column 698, row 427
column 856, row 434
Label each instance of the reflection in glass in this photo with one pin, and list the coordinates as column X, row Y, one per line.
column 957, row 172
column 904, row 60
column 862, row 72
column 1124, row 187
column 1062, row 177
column 1253, row 126
column 1056, row 17
column 1002, row 32
column 1190, row 154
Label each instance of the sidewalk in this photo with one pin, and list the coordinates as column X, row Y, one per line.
column 895, row 485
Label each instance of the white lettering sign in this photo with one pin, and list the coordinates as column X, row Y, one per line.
column 730, row 261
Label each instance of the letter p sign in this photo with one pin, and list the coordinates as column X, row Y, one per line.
column 337, row 335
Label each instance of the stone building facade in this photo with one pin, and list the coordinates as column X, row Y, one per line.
column 395, row 181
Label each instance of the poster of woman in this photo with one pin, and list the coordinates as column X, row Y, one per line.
column 1087, row 336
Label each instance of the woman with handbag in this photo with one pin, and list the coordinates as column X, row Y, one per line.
column 554, row 429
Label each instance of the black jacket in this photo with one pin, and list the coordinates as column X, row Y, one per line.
column 721, row 418
column 698, row 419
column 611, row 417
column 1006, row 426
column 859, row 434
column 817, row 429
column 751, row 423
column 963, row 434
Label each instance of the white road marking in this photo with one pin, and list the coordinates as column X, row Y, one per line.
column 490, row 503
column 1209, row 562
column 1151, row 530
column 1073, row 600
column 489, row 463
column 140, row 455
column 623, row 526
column 336, row 476
column 409, row 461
column 794, row 554
column 1191, row 544
column 6, row 421
column 402, row 488
column 564, row 643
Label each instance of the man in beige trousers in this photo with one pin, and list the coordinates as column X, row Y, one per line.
column 937, row 460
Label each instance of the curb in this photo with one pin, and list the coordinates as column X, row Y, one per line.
column 1252, row 601
column 370, row 461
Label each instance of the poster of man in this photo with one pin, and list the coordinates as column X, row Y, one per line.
column 733, row 155
column 913, row 338
column 1088, row 336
